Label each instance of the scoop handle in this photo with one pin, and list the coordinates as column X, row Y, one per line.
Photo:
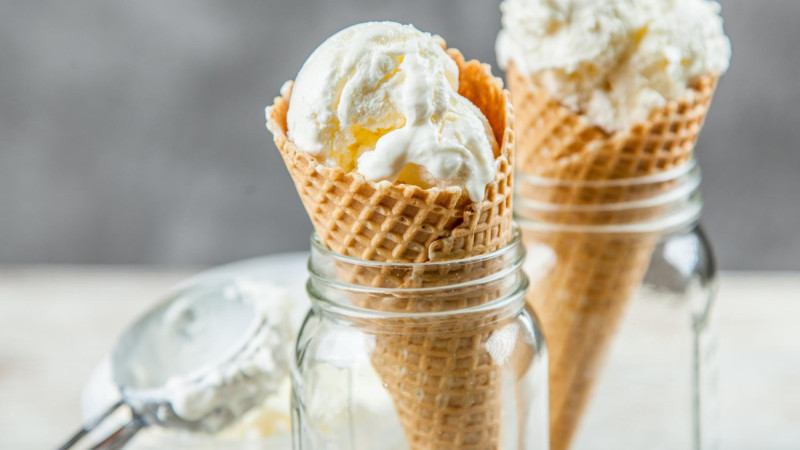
column 119, row 438
column 116, row 440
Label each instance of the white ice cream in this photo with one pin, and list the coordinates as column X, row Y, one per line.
column 256, row 370
column 277, row 284
column 614, row 61
column 212, row 350
column 382, row 99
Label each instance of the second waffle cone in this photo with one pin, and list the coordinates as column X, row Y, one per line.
column 580, row 301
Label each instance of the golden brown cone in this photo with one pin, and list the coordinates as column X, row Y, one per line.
column 444, row 385
column 582, row 298
column 384, row 221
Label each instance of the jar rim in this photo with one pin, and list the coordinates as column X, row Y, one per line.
column 514, row 249
column 667, row 175
column 357, row 312
column 682, row 191
column 655, row 207
column 686, row 217
column 317, row 245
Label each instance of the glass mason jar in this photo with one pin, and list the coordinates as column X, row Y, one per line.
column 433, row 355
column 623, row 281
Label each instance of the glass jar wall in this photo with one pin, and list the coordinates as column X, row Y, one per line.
column 433, row 355
column 623, row 281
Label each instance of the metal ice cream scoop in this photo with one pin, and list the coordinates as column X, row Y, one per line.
column 198, row 361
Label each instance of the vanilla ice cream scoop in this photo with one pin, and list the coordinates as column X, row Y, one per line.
column 614, row 61
column 381, row 99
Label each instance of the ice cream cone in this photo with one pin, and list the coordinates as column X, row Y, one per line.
column 582, row 298
column 443, row 381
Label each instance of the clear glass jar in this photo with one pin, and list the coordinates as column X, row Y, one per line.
column 422, row 356
column 623, row 282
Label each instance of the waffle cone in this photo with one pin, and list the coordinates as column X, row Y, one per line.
column 581, row 299
column 441, row 378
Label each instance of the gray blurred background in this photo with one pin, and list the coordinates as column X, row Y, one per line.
column 133, row 132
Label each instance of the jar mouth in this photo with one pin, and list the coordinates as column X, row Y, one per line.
column 659, row 202
column 318, row 247
column 515, row 298
column 671, row 174
column 500, row 270
column 686, row 216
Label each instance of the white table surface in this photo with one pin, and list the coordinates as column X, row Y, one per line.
column 56, row 323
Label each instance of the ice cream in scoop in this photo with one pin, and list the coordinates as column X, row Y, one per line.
column 381, row 99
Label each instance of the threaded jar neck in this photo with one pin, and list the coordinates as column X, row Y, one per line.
column 356, row 289
column 654, row 203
